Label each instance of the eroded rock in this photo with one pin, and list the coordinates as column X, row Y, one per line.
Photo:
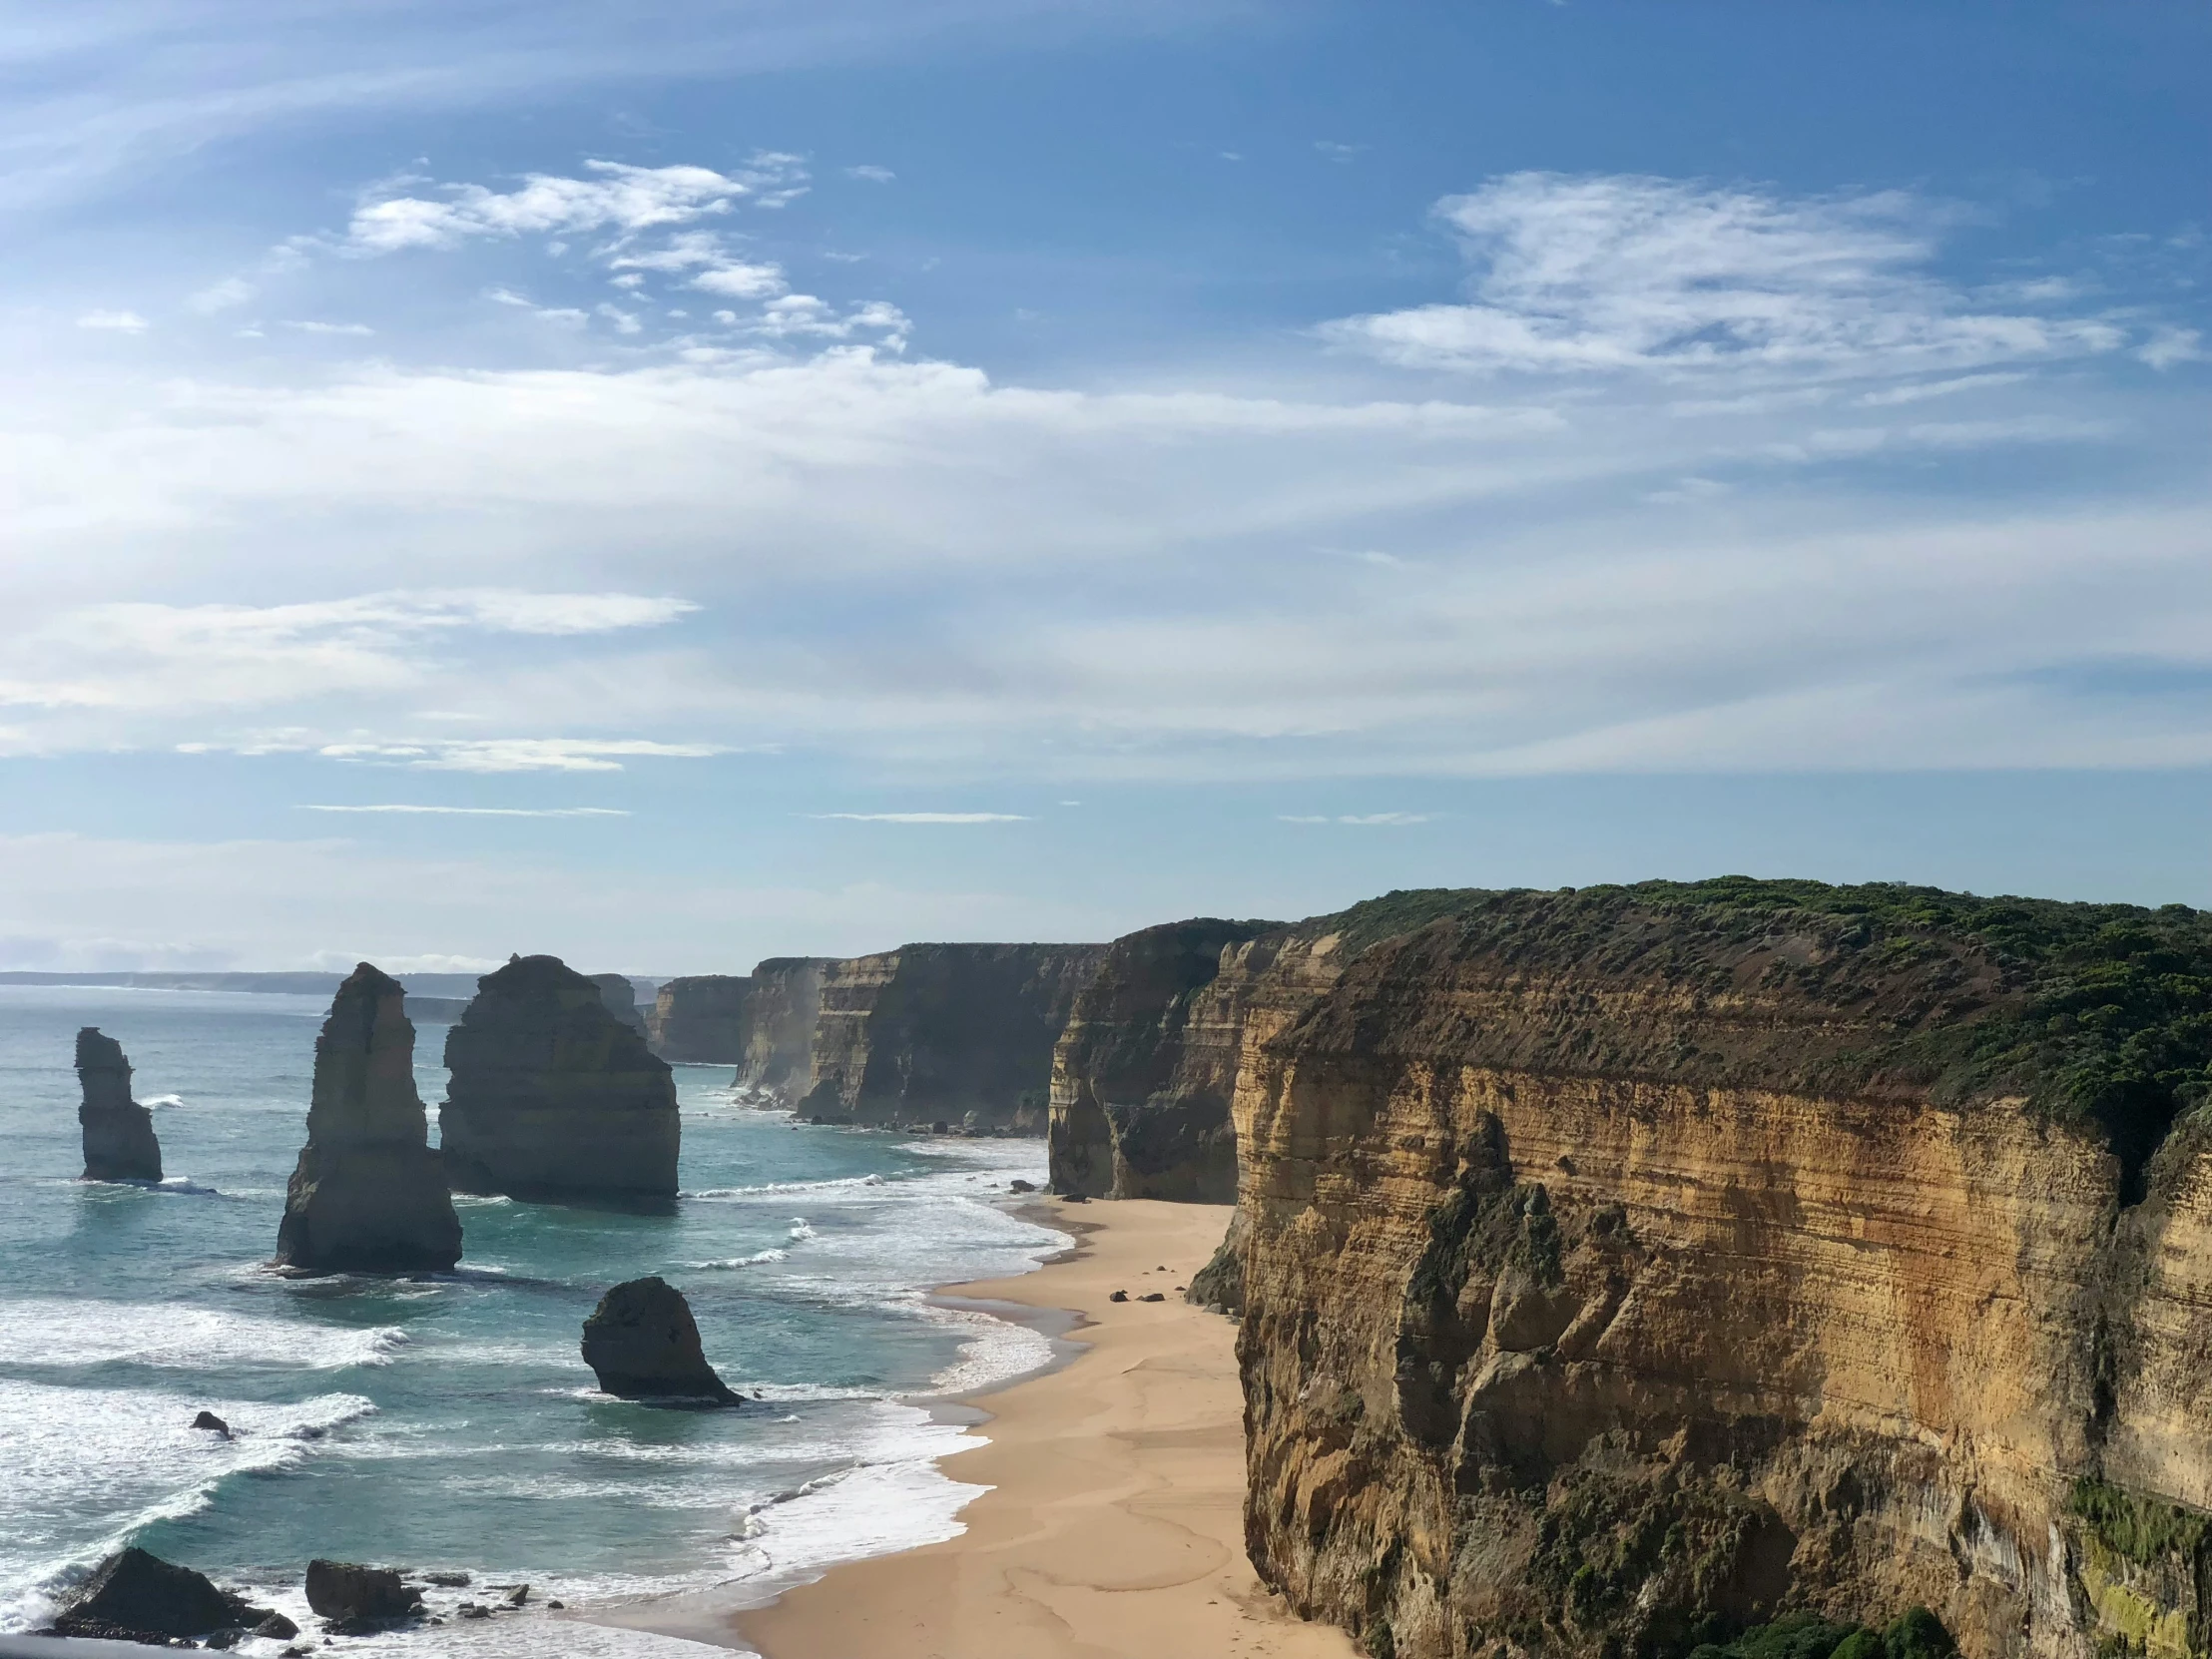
column 120, row 1144
column 551, row 1097
column 351, row 1595
column 136, row 1596
column 642, row 1343
column 368, row 1194
column 701, row 1019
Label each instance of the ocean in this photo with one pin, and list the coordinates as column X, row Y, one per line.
column 448, row 1424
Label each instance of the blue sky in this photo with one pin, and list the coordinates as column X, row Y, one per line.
column 714, row 480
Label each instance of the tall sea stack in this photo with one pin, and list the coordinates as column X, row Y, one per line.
column 119, row 1132
column 368, row 1195
column 553, row 1097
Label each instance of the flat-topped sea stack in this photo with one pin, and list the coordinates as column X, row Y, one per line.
column 961, row 1034
column 368, row 1194
column 642, row 1343
column 120, row 1144
column 620, row 993
column 1130, row 1119
column 782, row 1012
column 1623, row 1267
column 553, row 1098
column 701, row 1020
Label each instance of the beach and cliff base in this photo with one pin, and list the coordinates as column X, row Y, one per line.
column 1114, row 1523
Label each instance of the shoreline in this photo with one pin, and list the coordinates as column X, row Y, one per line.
column 1112, row 1513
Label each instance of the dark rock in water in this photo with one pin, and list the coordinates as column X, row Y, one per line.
column 556, row 1606
column 518, row 1596
column 473, row 1610
column 1020, row 1186
column 119, row 1132
column 621, row 999
column 701, row 1019
column 552, row 1097
column 348, row 1594
column 277, row 1628
column 642, row 1343
column 368, row 1195
column 225, row 1640
column 448, row 1580
column 912, row 1035
column 136, row 1596
column 213, row 1423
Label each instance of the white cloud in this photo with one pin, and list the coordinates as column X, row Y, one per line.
column 1363, row 820
column 927, row 817
column 740, row 281
column 2170, row 345
column 121, row 323
column 473, row 812
column 616, row 197
column 497, row 755
column 875, row 175
column 331, row 327
column 1610, row 273
column 227, row 294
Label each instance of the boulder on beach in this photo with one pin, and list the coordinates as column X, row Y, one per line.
column 118, row 1133
column 642, row 1343
column 346, row 1594
column 369, row 1194
column 136, row 1596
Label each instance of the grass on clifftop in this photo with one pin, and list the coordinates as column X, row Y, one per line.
column 2094, row 1013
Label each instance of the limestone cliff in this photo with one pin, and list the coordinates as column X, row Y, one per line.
column 1129, row 1118
column 368, row 1195
column 118, row 1132
column 782, row 1009
column 701, row 1019
column 621, row 996
column 552, row 1097
column 1624, row 1267
column 954, row 1033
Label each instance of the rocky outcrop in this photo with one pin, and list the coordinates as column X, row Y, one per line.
column 1129, row 1119
column 551, row 1097
column 1625, row 1266
column 368, row 1194
column 782, row 1009
column 118, row 1133
column 953, row 1033
column 351, row 1595
column 701, row 1020
column 642, row 1343
column 621, row 997
column 134, row 1596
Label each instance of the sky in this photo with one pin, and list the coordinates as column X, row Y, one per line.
column 677, row 483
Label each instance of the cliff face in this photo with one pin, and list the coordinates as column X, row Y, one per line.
column 1624, row 1267
column 782, row 1009
column 368, row 1195
column 621, row 997
column 701, row 1019
column 551, row 1096
column 960, row 1033
column 1130, row 1119
column 119, row 1132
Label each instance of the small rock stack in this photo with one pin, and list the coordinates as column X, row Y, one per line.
column 119, row 1132
column 368, row 1195
column 642, row 1343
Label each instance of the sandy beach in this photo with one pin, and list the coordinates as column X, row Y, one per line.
column 1114, row 1525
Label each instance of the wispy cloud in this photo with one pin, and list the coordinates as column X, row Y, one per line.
column 473, row 812
column 927, row 817
column 1578, row 273
column 121, row 323
column 497, row 755
column 355, row 328
column 1365, row 820
column 875, row 175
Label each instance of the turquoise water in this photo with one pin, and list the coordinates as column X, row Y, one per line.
column 449, row 1423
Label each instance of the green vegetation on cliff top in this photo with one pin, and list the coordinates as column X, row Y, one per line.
column 2091, row 1013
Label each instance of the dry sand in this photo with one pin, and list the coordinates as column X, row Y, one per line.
column 1115, row 1523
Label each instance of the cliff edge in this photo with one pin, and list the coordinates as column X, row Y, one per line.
column 1623, row 1267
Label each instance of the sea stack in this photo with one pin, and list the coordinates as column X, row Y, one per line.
column 642, row 1343
column 368, row 1195
column 552, row 1097
column 119, row 1132
column 701, row 1019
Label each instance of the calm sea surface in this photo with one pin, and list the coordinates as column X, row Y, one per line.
column 449, row 1423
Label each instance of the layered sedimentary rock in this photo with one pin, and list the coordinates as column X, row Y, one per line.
column 953, row 1033
column 621, row 997
column 1129, row 1118
column 551, row 1096
column 701, row 1019
column 1625, row 1266
column 642, row 1343
column 120, row 1144
column 368, row 1194
column 783, row 1010
column 134, row 1596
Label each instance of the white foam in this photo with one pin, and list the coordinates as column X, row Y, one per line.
column 758, row 1258
column 800, row 1231
column 770, row 1189
column 51, row 1332
column 163, row 1100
